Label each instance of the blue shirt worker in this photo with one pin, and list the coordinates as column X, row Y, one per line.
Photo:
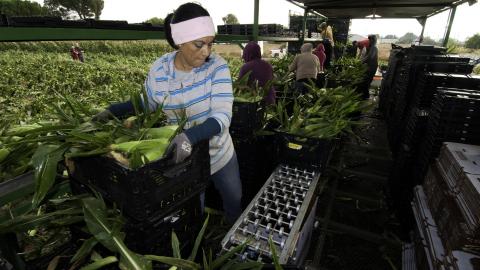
column 193, row 80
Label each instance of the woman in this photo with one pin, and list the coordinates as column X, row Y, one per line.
column 320, row 53
column 306, row 67
column 261, row 71
column 192, row 80
column 370, row 60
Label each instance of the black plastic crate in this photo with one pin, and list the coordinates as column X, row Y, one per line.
column 75, row 24
column 107, row 24
column 3, row 20
column 34, row 21
column 222, row 29
column 303, row 151
column 148, row 191
column 247, row 116
column 154, row 236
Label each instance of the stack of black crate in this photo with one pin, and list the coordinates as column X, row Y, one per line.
column 454, row 117
column 247, row 29
column 405, row 101
column 446, row 212
column 254, row 147
column 155, row 199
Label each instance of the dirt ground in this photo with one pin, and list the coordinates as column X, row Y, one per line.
column 233, row 50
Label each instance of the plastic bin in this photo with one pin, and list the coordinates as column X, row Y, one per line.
column 247, row 116
column 151, row 190
column 154, row 236
column 303, row 151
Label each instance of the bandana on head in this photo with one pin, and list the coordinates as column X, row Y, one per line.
column 192, row 29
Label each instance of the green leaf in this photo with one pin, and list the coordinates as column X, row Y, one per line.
column 206, row 265
column 96, row 218
column 84, row 250
column 175, row 246
column 45, row 161
column 273, row 249
column 100, row 263
column 198, row 240
column 173, row 261
column 53, row 263
column 228, row 265
column 222, row 259
column 26, row 222
column 246, row 265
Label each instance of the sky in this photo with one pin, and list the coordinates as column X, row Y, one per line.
column 466, row 23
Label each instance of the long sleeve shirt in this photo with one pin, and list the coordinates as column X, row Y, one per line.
column 205, row 92
column 306, row 66
column 261, row 72
column 328, row 33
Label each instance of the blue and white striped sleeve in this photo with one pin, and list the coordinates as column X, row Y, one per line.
column 222, row 94
column 154, row 100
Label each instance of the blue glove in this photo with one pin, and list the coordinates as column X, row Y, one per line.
column 181, row 148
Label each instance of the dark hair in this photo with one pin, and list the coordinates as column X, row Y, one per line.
column 184, row 12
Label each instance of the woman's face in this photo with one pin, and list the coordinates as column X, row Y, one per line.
column 196, row 52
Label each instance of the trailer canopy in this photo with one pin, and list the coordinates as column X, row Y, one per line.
column 360, row 9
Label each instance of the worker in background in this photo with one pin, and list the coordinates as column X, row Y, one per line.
column 320, row 53
column 260, row 70
column 194, row 81
column 326, row 32
column 370, row 60
column 363, row 45
column 74, row 53
column 80, row 52
column 327, row 36
column 306, row 67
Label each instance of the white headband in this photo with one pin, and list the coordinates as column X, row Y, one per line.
column 192, row 29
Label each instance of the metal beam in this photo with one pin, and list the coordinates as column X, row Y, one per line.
column 304, row 26
column 423, row 22
column 448, row 7
column 255, row 19
column 382, row 5
column 304, row 7
column 42, row 33
column 449, row 27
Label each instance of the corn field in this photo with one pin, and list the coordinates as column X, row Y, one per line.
column 33, row 71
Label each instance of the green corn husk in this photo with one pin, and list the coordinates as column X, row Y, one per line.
column 150, row 150
column 4, row 152
column 122, row 139
column 21, row 129
column 161, row 132
column 142, row 146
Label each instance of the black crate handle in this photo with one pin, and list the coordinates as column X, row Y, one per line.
column 178, row 169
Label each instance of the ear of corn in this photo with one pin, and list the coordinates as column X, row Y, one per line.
column 4, row 152
column 161, row 132
column 153, row 148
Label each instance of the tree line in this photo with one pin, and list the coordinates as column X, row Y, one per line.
column 67, row 9
column 472, row 42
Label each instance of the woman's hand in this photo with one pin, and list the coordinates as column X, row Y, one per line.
column 181, row 148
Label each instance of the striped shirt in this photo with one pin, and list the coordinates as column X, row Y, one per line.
column 205, row 92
